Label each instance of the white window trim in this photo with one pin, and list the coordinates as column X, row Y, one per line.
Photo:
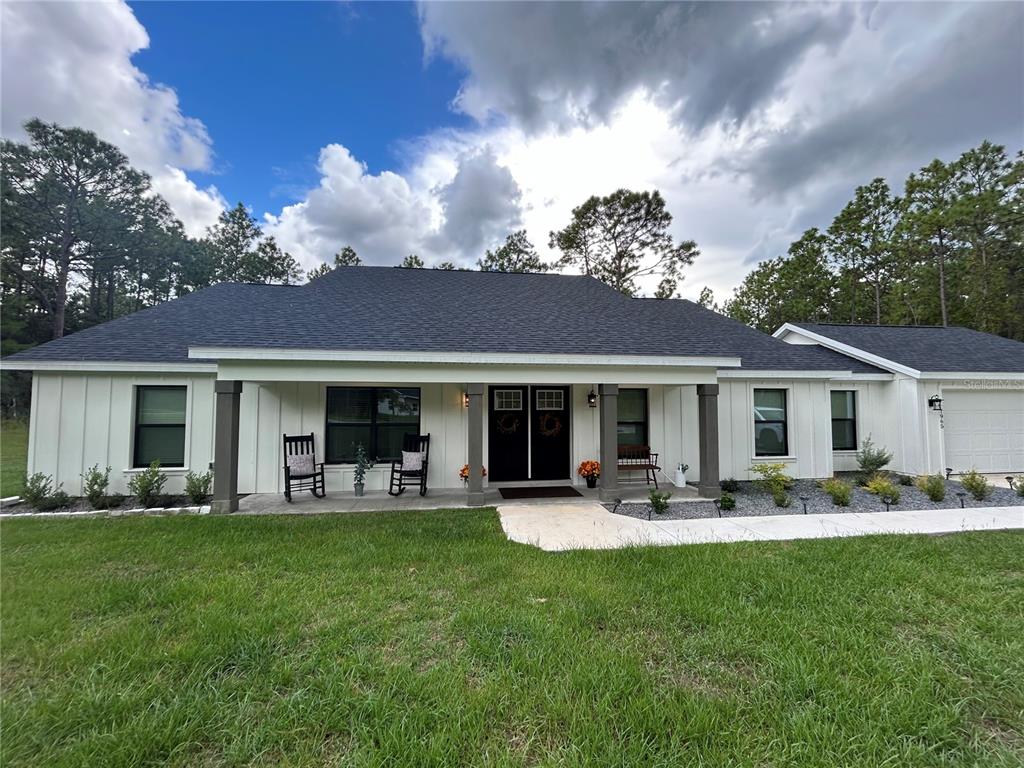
column 791, row 451
column 547, row 393
column 518, row 393
column 856, row 419
column 133, row 414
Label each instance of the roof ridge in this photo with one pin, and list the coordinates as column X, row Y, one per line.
column 877, row 325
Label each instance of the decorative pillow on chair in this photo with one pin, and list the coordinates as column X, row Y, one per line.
column 301, row 464
column 412, row 461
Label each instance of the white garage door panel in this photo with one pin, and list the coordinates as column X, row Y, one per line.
column 984, row 430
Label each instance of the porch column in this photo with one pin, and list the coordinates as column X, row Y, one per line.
column 225, row 453
column 475, row 444
column 707, row 425
column 608, row 430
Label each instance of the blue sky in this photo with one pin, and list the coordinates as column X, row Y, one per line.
column 274, row 82
column 440, row 128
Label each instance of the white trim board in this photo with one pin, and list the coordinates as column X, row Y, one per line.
column 743, row 373
column 456, row 358
column 110, row 366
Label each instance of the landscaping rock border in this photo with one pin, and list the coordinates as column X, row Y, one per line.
column 753, row 502
column 115, row 512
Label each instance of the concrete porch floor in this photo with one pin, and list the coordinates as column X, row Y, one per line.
column 441, row 498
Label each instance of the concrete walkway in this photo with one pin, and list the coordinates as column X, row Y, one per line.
column 559, row 527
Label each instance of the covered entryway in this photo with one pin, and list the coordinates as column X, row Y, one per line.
column 529, row 433
column 984, row 430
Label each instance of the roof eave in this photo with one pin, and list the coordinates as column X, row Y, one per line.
column 845, row 349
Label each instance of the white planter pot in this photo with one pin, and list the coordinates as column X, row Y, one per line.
column 680, row 478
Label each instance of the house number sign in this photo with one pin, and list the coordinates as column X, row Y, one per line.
column 990, row 384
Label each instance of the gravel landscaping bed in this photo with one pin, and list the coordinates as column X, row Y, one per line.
column 751, row 501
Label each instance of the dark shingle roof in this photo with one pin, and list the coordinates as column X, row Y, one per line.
column 406, row 310
column 929, row 348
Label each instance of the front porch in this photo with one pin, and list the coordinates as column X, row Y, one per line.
column 442, row 498
column 562, row 417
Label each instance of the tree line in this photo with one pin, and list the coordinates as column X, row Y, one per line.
column 949, row 250
column 86, row 239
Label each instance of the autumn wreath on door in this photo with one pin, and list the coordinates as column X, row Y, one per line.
column 549, row 424
column 507, row 424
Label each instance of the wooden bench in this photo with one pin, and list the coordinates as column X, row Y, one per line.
column 634, row 458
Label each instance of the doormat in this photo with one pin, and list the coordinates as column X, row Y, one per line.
column 539, row 492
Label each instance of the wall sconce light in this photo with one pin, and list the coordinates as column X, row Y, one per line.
column 592, row 398
column 465, row 399
column 935, row 403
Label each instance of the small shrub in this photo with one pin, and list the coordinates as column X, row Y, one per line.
column 883, row 488
column 147, row 485
column 197, row 487
column 781, row 498
column 772, row 478
column 94, row 485
column 976, row 484
column 932, row 486
column 870, row 459
column 1018, row 485
column 839, row 490
column 56, row 500
column 37, row 488
column 727, row 501
column 659, row 501
column 906, row 480
column 730, row 485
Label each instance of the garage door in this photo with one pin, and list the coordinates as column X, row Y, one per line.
column 984, row 430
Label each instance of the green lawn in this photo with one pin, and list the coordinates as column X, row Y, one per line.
column 13, row 457
column 426, row 638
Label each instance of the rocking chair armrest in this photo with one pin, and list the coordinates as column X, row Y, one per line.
column 654, row 458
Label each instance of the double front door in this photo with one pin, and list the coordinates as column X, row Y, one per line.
column 528, row 433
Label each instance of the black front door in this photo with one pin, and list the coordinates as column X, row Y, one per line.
column 549, row 433
column 508, row 430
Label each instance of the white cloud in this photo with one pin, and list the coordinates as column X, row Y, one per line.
column 197, row 208
column 70, row 63
column 452, row 206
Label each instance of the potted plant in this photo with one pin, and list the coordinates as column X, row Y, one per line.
column 363, row 463
column 464, row 473
column 590, row 470
column 681, row 474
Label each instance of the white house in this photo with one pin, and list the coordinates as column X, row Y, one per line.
column 526, row 375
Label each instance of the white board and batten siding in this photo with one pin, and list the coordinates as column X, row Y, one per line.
column 809, row 427
column 82, row 420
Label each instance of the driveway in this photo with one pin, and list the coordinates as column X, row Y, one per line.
column 559, row 527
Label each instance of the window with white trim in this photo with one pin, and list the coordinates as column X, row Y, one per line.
column 508, row 400
column 771, row 430
column 844, row 420
column 160, row 426
column 550, row 400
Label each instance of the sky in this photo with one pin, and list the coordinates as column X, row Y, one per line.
column 439, row 128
